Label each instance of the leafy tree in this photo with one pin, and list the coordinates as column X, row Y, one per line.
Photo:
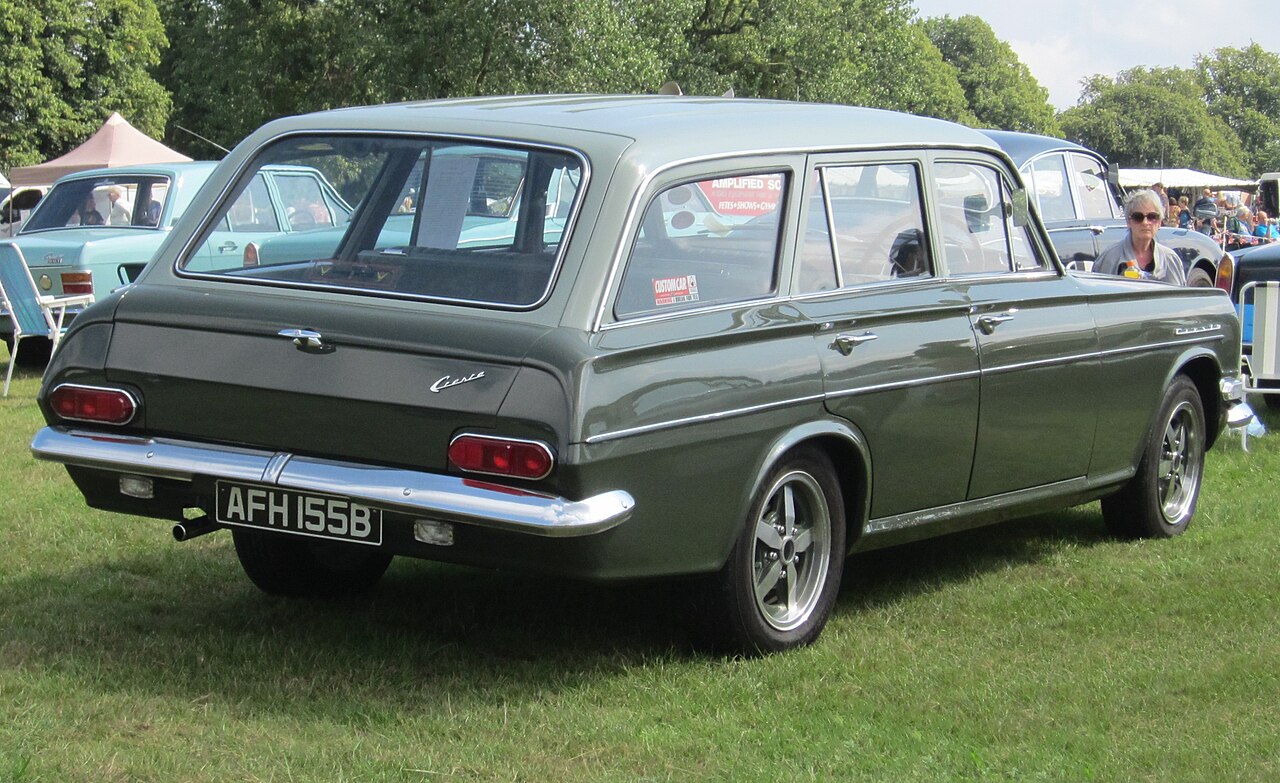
column 1242, row 88
column 999, row 88
column 861, row 52
column 67, row 65
column 1152, row 119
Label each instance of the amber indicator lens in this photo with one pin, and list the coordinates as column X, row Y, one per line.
column 501, row 457
column 77, row 282
column 84, row 403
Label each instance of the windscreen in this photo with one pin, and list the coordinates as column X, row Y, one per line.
column 468, row 222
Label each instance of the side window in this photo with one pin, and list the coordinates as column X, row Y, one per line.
column 1053, row 192
column 1096, row 202
column 704, row 243
column 974, row 222
column 252, row 210
column 304, row 202
column 817, row 259
column 877, row 220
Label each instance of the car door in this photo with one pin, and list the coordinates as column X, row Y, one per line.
column 1095, row 201
column 899, row 358
column 1073, row 239
column 1037, row 341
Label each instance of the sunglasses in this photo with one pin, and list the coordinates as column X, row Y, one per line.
column 1150, row 217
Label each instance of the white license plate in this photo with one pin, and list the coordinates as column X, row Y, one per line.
column 299, row 513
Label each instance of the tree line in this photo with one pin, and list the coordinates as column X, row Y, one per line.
column 220, row 68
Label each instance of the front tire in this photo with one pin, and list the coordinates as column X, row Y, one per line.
column 1160, row 500
column 780, row 583
column 300, row 567
column 1198, row 278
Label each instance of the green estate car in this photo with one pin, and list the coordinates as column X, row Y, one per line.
column 717, row 340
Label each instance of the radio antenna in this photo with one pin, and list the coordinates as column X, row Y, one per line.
column 201, row 138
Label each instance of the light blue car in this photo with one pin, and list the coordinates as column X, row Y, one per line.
column 95, row 230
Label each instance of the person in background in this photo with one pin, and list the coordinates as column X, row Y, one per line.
column 1241, row 222
column 1138, row 254
column 1174, row 218
column 1266, row 227
column 120, row 211
column 1159, row 190
column 1184, row 217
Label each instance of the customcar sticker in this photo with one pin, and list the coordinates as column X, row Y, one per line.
column 674, row 290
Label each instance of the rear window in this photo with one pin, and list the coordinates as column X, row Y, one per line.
column 110, row 200
column 473, row 223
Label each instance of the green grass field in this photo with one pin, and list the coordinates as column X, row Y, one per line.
column 1037, row 650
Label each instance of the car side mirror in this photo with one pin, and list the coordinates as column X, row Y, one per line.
column 1020, row 205
column 25, row 199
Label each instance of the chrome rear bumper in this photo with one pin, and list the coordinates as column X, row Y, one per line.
column 427, row 495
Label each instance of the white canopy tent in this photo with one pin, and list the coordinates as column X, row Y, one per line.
column 1185, row 179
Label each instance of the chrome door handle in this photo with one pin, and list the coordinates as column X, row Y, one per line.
column 307, row 340
column 227, row 247
column 1097, row 229
column 845, row 343
column 988, row 323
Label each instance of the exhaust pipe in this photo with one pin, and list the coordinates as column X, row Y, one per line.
column 188, row 529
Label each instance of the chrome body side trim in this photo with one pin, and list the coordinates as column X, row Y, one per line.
column 431, row 495
column 978, row 506
column 717, row 415
column 661, row 425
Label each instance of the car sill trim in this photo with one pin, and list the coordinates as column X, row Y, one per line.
column 429, row 495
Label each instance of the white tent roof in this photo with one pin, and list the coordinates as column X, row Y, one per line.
column 4, row 183
column 116, row 143
column 1181, row 178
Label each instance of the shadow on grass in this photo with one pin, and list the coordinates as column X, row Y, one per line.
column 186, row 621
column 884, row 576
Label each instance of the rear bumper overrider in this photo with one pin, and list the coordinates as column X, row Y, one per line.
column 429, row 495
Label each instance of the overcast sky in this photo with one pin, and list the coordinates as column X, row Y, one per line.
column 1065, row 41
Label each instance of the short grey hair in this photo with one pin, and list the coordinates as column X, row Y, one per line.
column 1145, row 196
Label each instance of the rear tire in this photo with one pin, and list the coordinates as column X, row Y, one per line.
column 1160, row 500
column 300, row 567
column 780, row 583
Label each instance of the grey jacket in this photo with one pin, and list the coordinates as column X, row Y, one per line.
column 1168, row 266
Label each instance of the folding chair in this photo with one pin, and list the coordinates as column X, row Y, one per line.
column 32, row 314
column 1261, row 333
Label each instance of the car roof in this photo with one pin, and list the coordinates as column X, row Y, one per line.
column 1023, row 147
column 663, row 126
column 161, row 169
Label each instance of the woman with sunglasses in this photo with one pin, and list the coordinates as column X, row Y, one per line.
column 1138, row 254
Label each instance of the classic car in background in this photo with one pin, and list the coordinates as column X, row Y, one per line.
column 97, row 229
column 872, row 343
column 1078, row 201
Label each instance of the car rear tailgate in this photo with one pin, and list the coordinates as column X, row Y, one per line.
column 389, row 382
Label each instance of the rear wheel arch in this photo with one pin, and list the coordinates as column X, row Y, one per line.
column 847, row 449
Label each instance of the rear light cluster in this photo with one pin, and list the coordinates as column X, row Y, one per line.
column 77, row 282
column 525, row 459
column 1226, row 272
column 93, row 404
column 251, row 254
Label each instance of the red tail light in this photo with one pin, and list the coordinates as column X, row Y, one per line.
column 77, row 282
column 501, row 456
column 93, row 403
column 251, row 254
column 1226, row 272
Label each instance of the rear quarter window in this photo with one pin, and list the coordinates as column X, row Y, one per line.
column 703, row 243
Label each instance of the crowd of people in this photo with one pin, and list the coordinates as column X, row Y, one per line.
column 1226, row 218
